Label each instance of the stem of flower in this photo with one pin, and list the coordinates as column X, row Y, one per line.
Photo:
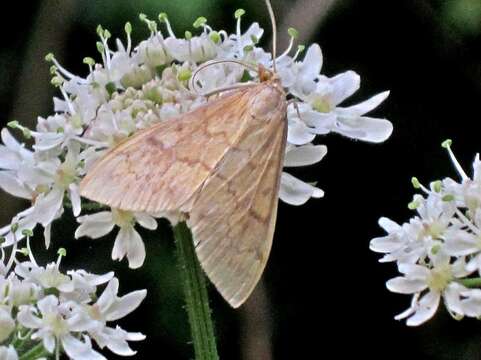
column 34, row 353
column 471, row 282
column 196, row 297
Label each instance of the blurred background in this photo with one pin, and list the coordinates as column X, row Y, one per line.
column 323, row 291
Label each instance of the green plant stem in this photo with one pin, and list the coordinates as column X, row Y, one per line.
column 196, row 297
column 471, row 282
column 34, row 353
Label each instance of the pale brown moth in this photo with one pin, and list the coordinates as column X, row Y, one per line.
column 219, row 165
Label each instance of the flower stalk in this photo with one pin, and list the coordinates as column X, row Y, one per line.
column 35, row 352
column 196, row 296
column 471, row 282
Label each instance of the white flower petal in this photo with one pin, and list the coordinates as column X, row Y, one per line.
column 47, row 206
column 129, row 243
column 365, row 106
column 404, row 285
column 365, row 128
column 146, row 221
column 344, row 85
column 48, row 343
column 296, row 192
column 79, row 350
column 299, row 134
column 428, row 305
column 27, row 319
column 74, row 193
column 95, row 225
column 388, row 225
column 305, row 155
column 385, row 244
column 11, row 184
column 125, row 305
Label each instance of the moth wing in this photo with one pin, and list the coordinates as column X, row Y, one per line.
column 233, row 218
column 161, row 168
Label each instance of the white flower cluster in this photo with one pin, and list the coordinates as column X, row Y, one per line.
column 44, row 311
column 438, row 252
column 135, row 87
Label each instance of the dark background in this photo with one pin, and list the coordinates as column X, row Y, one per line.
column 325, row 290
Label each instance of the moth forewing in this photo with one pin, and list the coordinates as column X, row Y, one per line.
column 234, row 216
column 161, row 168
column 221, row 165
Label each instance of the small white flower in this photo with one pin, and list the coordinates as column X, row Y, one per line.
column 110, row 307
column 54, row 323
column 49, row 277
column 128, row 241
column 428, row 286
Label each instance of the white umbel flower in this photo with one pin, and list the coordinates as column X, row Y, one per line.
column 128, row 241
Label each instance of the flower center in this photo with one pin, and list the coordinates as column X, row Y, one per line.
column 65, row 175
column 122, row 218
column 440, row 277
column 94, row 312
column 434, row 229
column 57, row 324
column 52, row 278
column 321, row 104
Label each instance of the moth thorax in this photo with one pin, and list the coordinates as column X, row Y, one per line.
column 267, row 102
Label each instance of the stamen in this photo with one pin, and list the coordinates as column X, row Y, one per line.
column 2, row 240
column 90, row 62
column 104, row 36
column 238, row 15
column 447, row 145
column 128, row 31
column 28, row 233
column 13, row 230
column 164, row 19
column 67, row 99
column 300, row 48
column 51, row 58
column 467, row 222
column 61, row 253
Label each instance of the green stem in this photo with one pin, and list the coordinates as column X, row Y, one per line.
column 196, row 297
column 21, row 341
column 34, row 353
column 471, row 282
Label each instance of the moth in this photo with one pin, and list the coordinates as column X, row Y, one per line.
column 219, row 165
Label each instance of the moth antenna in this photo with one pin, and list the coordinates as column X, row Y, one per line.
column 231, row 87
column 215, row 62
column 274, row 34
